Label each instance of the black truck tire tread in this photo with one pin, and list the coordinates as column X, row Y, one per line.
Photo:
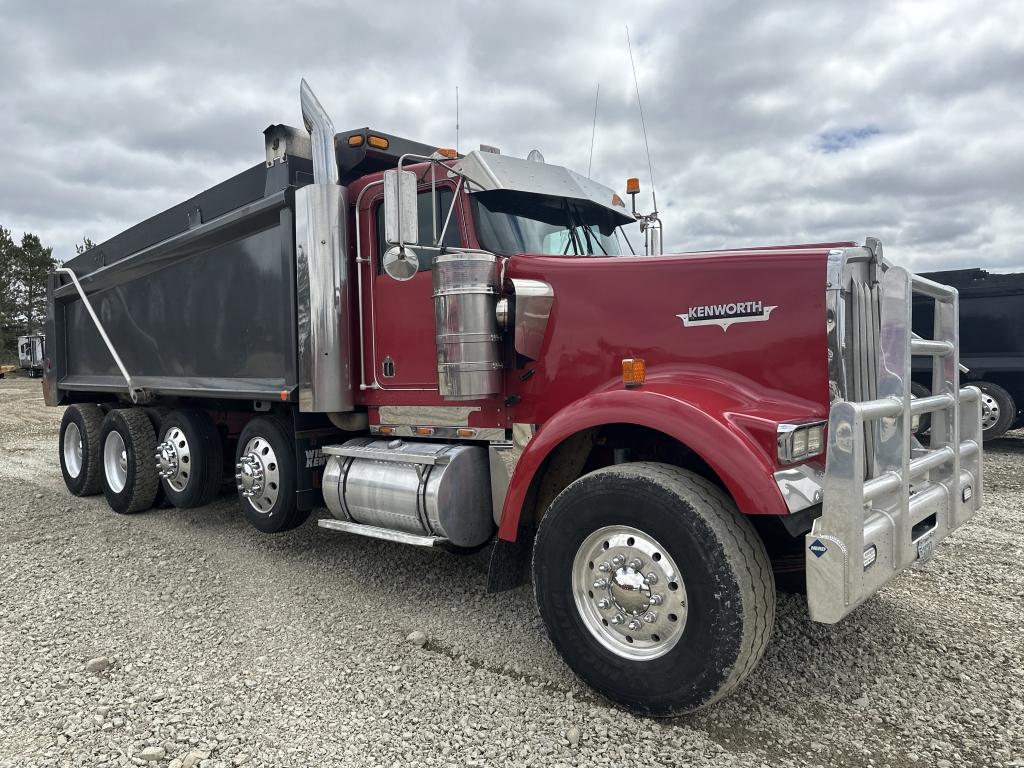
column 743, row 546
column 90, row 422
column 741, row 549
column 207, row 458
column 137, row 431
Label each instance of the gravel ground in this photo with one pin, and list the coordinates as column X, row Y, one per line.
column 228, row 647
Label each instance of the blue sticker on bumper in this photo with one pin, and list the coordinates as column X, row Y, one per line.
column 818, row 548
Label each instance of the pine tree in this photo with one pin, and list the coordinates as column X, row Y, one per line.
column 34, row 263
column 8, row 294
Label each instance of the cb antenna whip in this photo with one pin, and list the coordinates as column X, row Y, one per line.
column 593, row 130
column 457, row 120
column 643, row 125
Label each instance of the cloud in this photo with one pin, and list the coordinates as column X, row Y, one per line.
column 774, row 123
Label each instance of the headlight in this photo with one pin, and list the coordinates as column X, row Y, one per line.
column 799, row 442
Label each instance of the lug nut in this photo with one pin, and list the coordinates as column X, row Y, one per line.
column 656, row 599
column 650, row 617
column 601, row 584
column 618, row 618
column 604, row 603
column 618, row 560
column 633, row 625
column 635, row 564
column 652, row 578
column 604, row 567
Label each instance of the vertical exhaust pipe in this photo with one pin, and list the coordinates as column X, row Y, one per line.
column 321, row 134
column 322, row 272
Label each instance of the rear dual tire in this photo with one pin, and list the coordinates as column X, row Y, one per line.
column 127, row 444
column 265, row 477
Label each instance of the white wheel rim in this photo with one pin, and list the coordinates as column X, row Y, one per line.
column 174, row 459
column 629, row 593
column 989, row 411
column 73, row 450
column 115, row 462
column 258, row 475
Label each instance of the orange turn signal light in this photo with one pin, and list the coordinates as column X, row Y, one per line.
column 355, row 140
column 378, row 141
column 386, row 430
column 634, row 370
column 466, row 432
column 424, row 431
column 448, row 152
column 632, row 186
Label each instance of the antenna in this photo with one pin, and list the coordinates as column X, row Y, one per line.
column 457, row 121
column 593, row 131
column 643, row 125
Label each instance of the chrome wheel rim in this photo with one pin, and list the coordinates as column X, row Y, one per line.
column 258, row 475
column 989, row 411
column 629, row 593
column 73, row 450
column 115, row 462
column 174, row 459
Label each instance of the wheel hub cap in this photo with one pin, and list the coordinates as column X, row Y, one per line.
column 989, row 411
column 174, row 459
column 73, row 450
column 629, row 592
column 257, row 475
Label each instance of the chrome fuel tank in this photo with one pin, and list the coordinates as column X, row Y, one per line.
column 428, row 489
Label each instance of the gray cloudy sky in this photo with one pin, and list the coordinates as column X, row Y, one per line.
column 768, row 122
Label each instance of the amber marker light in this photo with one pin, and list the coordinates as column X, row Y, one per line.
column 386, row 430
column 466, row 432
column 356, row 140
column 448, row 152
column 378, row 141
column 284, row 394
column 424, row 431
column 634, row 369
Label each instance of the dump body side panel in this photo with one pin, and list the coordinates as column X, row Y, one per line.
column 208, row 310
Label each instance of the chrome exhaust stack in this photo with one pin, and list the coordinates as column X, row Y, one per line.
column 322, row 272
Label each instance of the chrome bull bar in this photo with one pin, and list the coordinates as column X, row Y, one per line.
column 889, row 501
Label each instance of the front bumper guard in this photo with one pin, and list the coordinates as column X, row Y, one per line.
column 888, row 501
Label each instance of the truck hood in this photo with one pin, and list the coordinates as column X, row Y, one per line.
column 751, row 320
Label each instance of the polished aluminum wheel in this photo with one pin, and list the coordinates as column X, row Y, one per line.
column 629, row 592
column 72, row 448
column 990, row 411
column 258, row 475
column 174, row 459
column 115, row 462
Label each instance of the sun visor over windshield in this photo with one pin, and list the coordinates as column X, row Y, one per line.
column 486, row 171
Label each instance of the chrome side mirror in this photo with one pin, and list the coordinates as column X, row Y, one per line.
column 401, row 220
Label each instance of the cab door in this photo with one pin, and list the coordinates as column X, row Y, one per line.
column 402, row 349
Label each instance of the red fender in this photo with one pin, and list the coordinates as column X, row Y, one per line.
column 729, row 427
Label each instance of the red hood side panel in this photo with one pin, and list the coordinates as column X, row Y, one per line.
column 606, row 309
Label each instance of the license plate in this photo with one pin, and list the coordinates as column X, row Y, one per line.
column 926, row 547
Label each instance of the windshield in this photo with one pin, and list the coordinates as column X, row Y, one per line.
column 513, row 222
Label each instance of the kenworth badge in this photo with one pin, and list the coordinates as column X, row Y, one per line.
column 726, row 314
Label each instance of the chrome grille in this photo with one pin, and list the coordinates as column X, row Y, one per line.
column 862, row 366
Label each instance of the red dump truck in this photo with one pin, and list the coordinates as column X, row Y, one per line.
column 459, row 351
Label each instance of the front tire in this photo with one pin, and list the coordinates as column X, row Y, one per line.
column 682, row 600
column 265, row 476
column 127, row 445
column 80, row 460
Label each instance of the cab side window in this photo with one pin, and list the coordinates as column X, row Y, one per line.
column 451, row 237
